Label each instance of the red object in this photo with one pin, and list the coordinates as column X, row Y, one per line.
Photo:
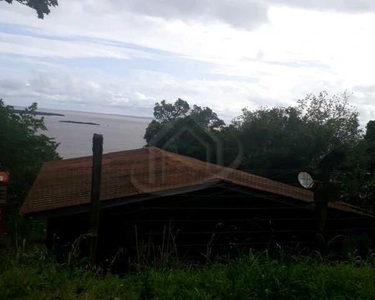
column 4, row 176
column 2, row 219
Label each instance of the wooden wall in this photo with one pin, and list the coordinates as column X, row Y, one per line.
column 218, row 221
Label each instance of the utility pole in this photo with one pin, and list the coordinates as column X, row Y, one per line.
column 97, row 150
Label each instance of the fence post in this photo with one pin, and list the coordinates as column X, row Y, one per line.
column 321, row 205
column 97, row 150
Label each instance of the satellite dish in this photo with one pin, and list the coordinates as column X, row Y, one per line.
column 306, row 180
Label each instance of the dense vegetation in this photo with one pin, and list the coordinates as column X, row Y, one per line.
column 276, row 142
column 35, row 276
column 23, row 150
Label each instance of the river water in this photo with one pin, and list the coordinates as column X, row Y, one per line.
column 119, row 132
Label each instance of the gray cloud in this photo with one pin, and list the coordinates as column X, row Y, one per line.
column 239, row 13
column 350, row 6
column 364, row 98
column 365, row 88
column 248, row 14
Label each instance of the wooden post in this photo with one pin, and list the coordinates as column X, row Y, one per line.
column 326, row 191
column 321, row 205
column 97, row 150
column 321, row 198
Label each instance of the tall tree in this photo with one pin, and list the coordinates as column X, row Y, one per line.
column 356, row 177
column 280, row 141
column 191, row 132
column 42, row 7
column 167, row 112
column 206, row 117
column 333, row 114
column 370, row 131
column 23, row 149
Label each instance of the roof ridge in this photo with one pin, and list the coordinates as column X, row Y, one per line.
column 183, row 160
column 230, row 170
column 224, row 173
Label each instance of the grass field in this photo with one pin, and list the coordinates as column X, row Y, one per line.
column 34, row 275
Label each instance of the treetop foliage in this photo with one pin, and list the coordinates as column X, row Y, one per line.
column 167, row 112
column 204, row 116
column 42, row 7
column 179, row 128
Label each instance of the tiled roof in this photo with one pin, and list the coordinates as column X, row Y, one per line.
column 67, row 183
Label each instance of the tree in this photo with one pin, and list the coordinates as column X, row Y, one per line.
column 370, row 145
column 23, row 150
column 189, row 132
column 206, row 117
column 168, row 115
column 152, row 130
column 42, row 7
column 271, row 138
column 370, row 131
column 356, row 176
column 279, row 142
column 333, row 114
column 167, row 112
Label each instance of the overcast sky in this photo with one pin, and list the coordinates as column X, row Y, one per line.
column 121, row 56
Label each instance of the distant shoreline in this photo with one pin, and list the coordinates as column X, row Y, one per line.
column 38, row 113
column 41, row 111
column 103, row 114
column 77, row 122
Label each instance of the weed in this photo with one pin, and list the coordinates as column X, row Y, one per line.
column 35, row 274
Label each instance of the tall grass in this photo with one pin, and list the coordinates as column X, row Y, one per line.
column 36, row 275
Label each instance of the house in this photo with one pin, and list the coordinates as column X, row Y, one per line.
column 153, row 197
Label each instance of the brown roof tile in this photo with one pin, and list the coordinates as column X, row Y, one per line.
column 67, row 183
